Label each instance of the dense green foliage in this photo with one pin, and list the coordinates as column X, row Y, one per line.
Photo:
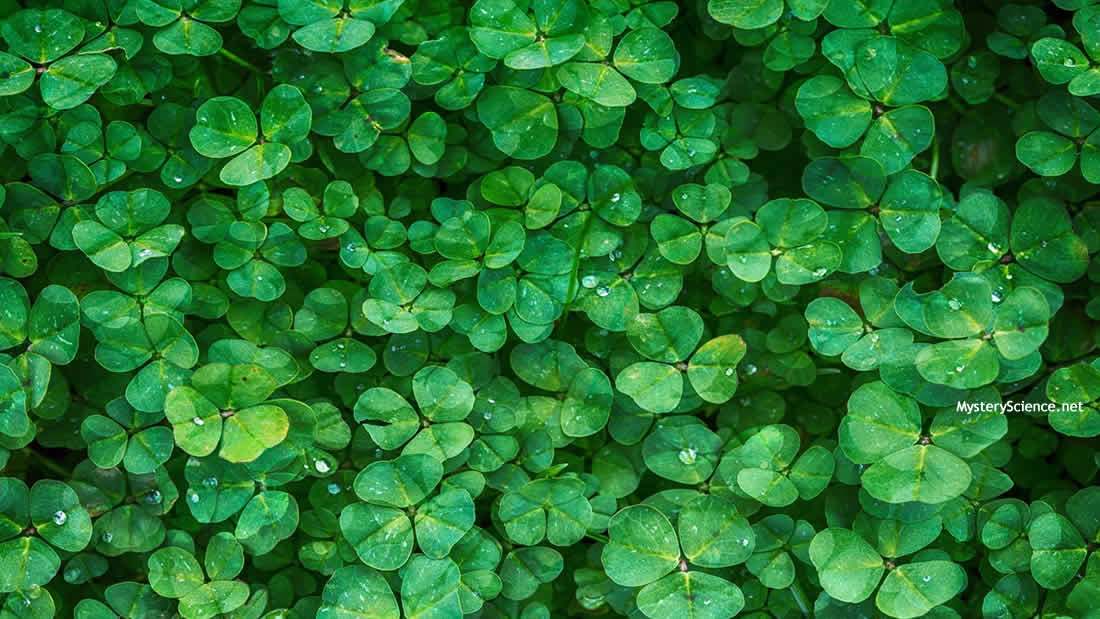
column 546, row 308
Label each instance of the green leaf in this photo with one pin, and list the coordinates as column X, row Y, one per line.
column 914, row 589
column 647, row 55
column 597, row 82
column 712, row 369
column 656, row 387
column 188, row 37
column 334, row 35
column 31, row 561
column 401, row 482
column 923, row 473
column 1046, row 153
column 691, row 594
column 42, row 35
column 849, row 568
column 356, row 590
column 429, row 588
column 642, row 546
column 713, row 534
column 879, row 422
column 1058, row 61
column 897, row 74
column 524, row 124
column 224, row 126
column 174, row 572
column 382, row 536
column 73, row 80
column 260, row 162
column 746, row 14
column 829, row 109
column 1058, row 550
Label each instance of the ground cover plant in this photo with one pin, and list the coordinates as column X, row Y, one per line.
column 549, row 308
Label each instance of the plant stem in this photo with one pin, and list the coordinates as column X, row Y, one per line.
column 240, row 61
column 800, row 598
column 576, row 267
column 934, row 169
column 1005, row 100
column 48, row 463
column 597, row 537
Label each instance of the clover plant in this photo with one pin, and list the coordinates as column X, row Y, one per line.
column 531, row 309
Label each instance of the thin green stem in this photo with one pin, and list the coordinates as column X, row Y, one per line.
column 48, row 463
column 576, row 267
column 597, row 537
column 800, row 598
column 1005, row 100
column 240, row 61
column 934, row 169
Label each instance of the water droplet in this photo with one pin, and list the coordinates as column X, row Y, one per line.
column 745, row 542
column 750, row 369
column 178, row 179
column 926, row 578
column 972, row 62
column 687, row 456
column 820, row 272
column 589, row 281
column 321, row 466
column 193, row 496
column 60, row 517
column 107, row 537
column 959, row 368
column 334, row 489
column 72, row 574
column 996, row 296
column 954, row 303
column 198, row 421
column 340, row 346
column 993, row 249
column 153, row 497
column 210, row 482
column 603, row 291
column 487, row 416
column 616, row 197
column 343, row 364
column 1068, row 62
column 729, row 371
column 37, row 28
column 1043, row 244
